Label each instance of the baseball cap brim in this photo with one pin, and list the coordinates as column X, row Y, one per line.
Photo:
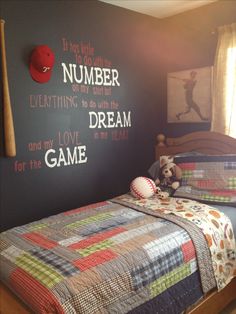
column 40, row 77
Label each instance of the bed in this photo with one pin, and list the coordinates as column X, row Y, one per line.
column 123, row 255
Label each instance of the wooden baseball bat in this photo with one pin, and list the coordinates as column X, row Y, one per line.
column 9, row 134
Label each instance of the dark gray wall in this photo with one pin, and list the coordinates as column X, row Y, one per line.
column 129, row 42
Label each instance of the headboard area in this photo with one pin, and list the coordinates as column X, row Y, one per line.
column 211, row 143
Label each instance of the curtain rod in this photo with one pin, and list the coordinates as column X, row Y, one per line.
column 215, row 30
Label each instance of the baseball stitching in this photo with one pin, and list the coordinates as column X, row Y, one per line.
column 150, row 183
column 136, row 192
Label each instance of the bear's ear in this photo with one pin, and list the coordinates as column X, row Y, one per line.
column 164, row 160
column 170, row 158
column 178, row 172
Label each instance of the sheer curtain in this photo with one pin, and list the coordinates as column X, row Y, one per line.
column 224, row 82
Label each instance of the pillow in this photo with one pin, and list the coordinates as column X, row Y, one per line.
column 155, row 167
column 154, row 170
column 210, row 179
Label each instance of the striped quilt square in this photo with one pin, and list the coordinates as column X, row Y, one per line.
column 187, row 166
column 94, row 259
column 38, row 297
column 40, row 240
column 188, row 251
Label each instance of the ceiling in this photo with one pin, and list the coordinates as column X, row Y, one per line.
column 159, row 8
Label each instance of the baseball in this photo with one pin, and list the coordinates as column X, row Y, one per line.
column 142, row 187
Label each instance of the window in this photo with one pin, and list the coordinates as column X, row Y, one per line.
column 230, row 95
column 224, row 82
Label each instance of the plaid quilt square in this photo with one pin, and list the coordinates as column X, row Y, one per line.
column 60, row 264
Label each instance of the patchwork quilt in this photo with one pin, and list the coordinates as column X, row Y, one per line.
column 109, row 257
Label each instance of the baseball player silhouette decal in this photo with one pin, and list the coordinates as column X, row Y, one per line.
column 188, row 85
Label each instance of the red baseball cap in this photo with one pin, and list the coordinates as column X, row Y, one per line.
column 41, row 62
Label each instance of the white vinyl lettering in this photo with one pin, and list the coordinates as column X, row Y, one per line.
column 61, row 158
column 83, row 74
column 109, row 119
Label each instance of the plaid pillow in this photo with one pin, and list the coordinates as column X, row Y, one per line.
column 154, row 169
column 209, row 179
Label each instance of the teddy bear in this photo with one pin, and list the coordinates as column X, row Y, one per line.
column 169, row 178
